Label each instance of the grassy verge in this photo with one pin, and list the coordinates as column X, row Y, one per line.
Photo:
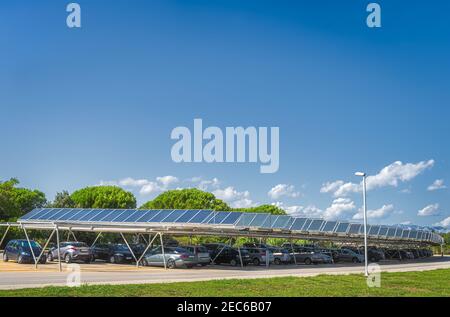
column 428, row 283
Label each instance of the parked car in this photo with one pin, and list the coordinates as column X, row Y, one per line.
column 347, row 255
column 259, row 255
column 224, row 254
column 71, row 251
column 20, row 251
column 392, row 254
column 113, row 253
column 174, row 257
column 200, row 252
column 280, row 256
column 373, row 254
column 406, row 255
column 305, row 255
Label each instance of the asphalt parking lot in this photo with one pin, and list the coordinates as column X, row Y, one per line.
column 13, row 275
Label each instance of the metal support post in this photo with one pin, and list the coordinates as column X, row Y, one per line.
column 162, row 250
column 43, row 249
column 146, row 249
column 29, row 244
column 129, row 248
column 58, row 249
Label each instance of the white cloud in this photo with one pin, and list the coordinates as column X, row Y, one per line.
column 235, row 198
column 281, row 190
column 444, row 223
column 150, row 188
column 339, row 209
column 300, row 211
column 131, row 182
column 146, row 187
column 406, row 223
column 204, row 184
column 168, row 180
column 430, row 210
column 437, row 184
column 390, row 175
column 380, row 213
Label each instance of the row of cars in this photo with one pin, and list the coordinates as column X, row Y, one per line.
column 174, row 255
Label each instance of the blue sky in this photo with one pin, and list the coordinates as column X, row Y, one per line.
column 84, row 106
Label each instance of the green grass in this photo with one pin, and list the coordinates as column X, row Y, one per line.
column 428, row 283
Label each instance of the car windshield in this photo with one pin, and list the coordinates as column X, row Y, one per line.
column 34, row 244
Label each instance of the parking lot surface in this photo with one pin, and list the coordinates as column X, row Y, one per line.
column 14, row 276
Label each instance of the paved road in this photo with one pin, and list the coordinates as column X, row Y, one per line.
column 111, row 274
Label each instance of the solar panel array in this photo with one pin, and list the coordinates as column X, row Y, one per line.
column 239, row 220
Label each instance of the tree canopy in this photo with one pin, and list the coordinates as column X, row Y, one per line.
column 271, row 209
column 191, row 198
column 16, row 201
column 197, row 199
column 62, row 200
column 103, row 197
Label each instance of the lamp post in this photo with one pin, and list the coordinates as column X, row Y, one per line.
column 363, row 175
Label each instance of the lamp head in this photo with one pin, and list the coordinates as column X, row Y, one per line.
column 360, row 174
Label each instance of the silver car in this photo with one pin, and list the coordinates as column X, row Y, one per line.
column 280, row 255
column 71, row 251
column 201, row 254
column 174, row 257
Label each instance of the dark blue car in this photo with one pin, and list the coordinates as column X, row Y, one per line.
column 19, row 251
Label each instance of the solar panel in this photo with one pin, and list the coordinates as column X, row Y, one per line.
column 174, row 215
column 307, row 224
column 57, row 214
column 391, row 232
column 259, row 220
column 315, row 225
column 231, row 219
column 218, row 217
column 281, row 222
column 329, row 226
column 32, row 213
column 253, row 220
column 383, row 231
column 354, row 228
column 298, row 223
column 246, row 219
column 200, row 216
column 342, row 227
column 71, row 214
column 374, row 230
column 134, row 216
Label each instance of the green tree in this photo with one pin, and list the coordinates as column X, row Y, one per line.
column 271, row 209
column 103, row 197
column 16, row 201
column 191, row 198
column 62, row 200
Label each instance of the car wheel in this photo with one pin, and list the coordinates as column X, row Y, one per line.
column 144, row 262
column 68, row 258
column 308, row 261
column 112, row 259
column 43, row 259
column 277, row 261
column 49, row 257
column 87, row 261
column 233, row 262
column 5, row 257
column 204, row 264
column 171, row 264
column 256, row 262
column 355, row 260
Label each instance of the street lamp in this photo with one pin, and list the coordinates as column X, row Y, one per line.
column 363, row 175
